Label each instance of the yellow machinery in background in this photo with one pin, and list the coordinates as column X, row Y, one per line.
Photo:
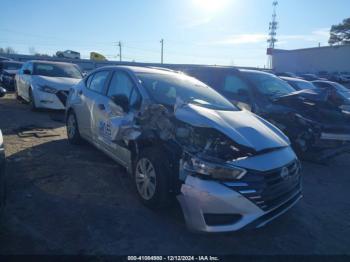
column 97, row 57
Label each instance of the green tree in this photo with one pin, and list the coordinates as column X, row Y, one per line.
column 340, row 34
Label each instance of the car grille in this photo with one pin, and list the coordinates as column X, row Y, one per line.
column 269, row 190
column 62, row 96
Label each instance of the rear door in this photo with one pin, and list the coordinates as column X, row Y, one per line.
column 111, row 122
column 92, row 91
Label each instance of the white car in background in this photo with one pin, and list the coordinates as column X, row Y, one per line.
column 46, row 84
column 68, row 54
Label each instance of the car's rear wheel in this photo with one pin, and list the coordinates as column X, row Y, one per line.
column 32, row 101
column 152, row 176
column 73, row 133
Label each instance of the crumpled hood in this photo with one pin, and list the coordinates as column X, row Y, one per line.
column 60, row 83
column 242, row 127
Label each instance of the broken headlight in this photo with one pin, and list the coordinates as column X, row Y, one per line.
column 47, row 89
column 212, row 170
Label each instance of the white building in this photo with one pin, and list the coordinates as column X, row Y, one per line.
column 312, row 60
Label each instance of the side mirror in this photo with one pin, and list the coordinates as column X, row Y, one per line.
column 27, row 72
column 3, row 91
column 122, row 101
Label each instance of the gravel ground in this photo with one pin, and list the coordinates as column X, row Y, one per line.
column 65, row 199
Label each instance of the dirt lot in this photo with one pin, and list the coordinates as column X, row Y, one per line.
column 65, row 199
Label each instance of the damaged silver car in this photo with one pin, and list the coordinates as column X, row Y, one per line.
column 229, row 168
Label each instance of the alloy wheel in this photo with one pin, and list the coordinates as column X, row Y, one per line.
column 145, row 178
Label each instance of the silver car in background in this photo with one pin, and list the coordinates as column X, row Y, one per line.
column 228, row 168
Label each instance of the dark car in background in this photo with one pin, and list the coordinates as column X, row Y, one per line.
column 311, row 77
column 8, row 71
column 318, row 129
column 337, row 94
column 340, row 77
column 298, row 84
column 340, row 94
column 286, row 74
column 2, row 58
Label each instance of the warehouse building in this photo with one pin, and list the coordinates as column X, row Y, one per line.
column 312, row 60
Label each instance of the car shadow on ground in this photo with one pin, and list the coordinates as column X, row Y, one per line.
column 70, row 199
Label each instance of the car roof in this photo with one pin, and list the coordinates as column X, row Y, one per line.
column 50, row 62
column 256, row 72
column 199, row 67
column 323, row 81
column 139, row 69
column 293, row 79
column 308, row 75
column 11, row 62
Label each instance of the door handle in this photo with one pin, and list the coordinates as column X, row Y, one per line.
column 101, row 107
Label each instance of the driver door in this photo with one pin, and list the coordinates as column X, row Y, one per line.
column 113, row 122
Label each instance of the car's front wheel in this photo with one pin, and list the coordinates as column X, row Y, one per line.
column 73, row 133
column 151, row 176
column 32, row 101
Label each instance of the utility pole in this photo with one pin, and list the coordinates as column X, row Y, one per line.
column 162, row 50
column 272, row 33
column 120, row 51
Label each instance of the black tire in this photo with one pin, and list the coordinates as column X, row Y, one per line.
column 32, row 101
column 73, row 133
column 161, row 196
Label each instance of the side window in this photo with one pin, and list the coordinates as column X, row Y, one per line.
column 88, row 81
column 235, row 85
column 98, row 81
column 122, row 84
column 135, row 99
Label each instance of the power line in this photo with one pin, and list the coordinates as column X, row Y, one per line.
column 272, row 32
column 120, row 51
column 162, row 50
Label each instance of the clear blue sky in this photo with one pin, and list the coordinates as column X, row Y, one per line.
column 227, row 32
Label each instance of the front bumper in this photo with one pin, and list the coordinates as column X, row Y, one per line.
column 258, row 198
column 201, row 198
column 55, row 101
